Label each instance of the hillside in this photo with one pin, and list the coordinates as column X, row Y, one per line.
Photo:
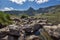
column 31, row 11
column 4, row 19
column 52, row 14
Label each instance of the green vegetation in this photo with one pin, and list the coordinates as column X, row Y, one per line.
column 51, row 17
column 24, row 16
column 5, row 18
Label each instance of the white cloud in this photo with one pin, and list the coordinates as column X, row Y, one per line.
column 18, row 1
column 31, row 0
column 22, row 1
column 7, row 9
column 41, row 1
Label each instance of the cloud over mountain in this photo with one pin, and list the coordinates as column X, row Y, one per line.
column 18, row 1
column 7, row 9
column 26, row 4
column 41, row 1
column 22, row 1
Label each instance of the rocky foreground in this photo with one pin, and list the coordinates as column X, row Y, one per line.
column 30, row 29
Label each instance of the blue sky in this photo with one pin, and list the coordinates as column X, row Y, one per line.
column 26, row 4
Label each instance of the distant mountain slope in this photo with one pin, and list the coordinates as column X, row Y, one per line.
column 31, row 11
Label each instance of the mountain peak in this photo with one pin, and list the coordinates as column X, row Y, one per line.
column 30, row 8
